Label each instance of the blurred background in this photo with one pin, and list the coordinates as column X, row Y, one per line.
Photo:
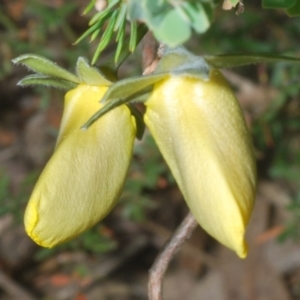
column 111, row 261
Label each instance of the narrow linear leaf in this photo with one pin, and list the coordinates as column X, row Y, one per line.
column 90, row 74
column 89, row 7
column 95, row 34
column 89, row 31
column 105, row 109
column 120, row 41
column 231, row 61
column 141, row 95
column 110, row 65
column 98, row 16
column 128, row 87
column 106, row 37
column 121, row 31
column 133, row 36
column 47, row 81
column 44, row 66
column 121, row 16
column 101, row 14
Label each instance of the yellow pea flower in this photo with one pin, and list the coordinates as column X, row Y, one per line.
column 200, row 130
column 84, row 177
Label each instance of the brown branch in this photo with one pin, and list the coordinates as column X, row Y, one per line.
column 157, row 271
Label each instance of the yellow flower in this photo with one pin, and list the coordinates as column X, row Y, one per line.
column 200, row 130
column 83, row 179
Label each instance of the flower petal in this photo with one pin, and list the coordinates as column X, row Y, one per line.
column 200, row 130
column 84, row 177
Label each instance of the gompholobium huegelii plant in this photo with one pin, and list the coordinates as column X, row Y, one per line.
column 195, row 120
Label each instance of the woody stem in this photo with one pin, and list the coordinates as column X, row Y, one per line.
column 158, row 269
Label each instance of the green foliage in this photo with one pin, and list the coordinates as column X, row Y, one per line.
column 172, row 24
column 111, row 22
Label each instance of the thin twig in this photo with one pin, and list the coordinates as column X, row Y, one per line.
column 157, row 271
column 149, row 53
column 162, row 235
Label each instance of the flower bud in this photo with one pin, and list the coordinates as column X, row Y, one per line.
column 84, row 177
column 200, row 130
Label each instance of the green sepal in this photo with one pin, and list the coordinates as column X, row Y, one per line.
column 140, row 124
column 127, row 87
column 174, row 62
column 237, row 60
column 141, row 96
column 89, row 74
column 179, row 61
column 45, row 66
column 294, row 11
column 38, row 79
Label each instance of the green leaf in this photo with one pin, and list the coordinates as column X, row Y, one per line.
column 173, row 29
column 37, row 79
column 133, row 36
column 111, row 65
column 237, row 60
column 172, row 24
column 44, row 66
column 89, row 74
column 89, row 7
column 120, row 41
column 278, row 3
column 141, row 95
column 106, row 37
column 294, row 11
column 127, row 87
column 95, row 34
column 102, row 14
column 121, row 17
column 200, row 20
column 234, row 2
column 90, row 30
